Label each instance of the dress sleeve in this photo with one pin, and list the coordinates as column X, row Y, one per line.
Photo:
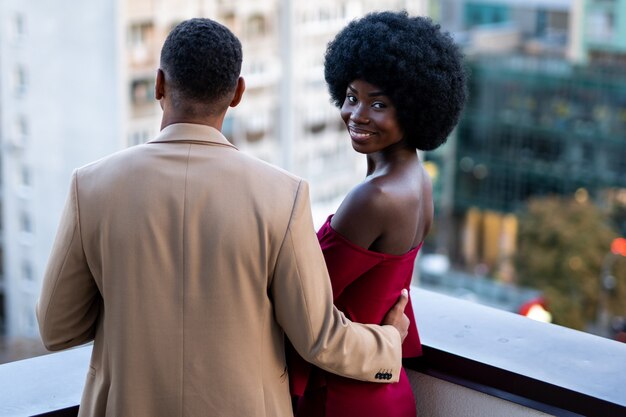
column 345, row 260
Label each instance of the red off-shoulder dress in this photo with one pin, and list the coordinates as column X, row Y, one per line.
column 365, row 285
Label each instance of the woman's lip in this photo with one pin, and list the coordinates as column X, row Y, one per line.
column 359, row 134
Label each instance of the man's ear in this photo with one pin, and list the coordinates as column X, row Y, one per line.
column 241, row 87
column 159, row 85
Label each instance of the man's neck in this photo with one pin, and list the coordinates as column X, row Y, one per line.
column 213, row 121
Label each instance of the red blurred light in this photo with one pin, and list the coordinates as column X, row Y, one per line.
column 618, row 246
column 536, row 310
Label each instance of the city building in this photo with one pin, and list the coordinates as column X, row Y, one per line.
column 62, row 105
column 546, row 115
column 77, row 83
column 605, row 31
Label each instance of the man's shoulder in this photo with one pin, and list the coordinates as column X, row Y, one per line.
column 263, row 170
column 248, row 168
column 119, row 156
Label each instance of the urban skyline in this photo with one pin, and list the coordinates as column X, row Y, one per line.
column 77, row 86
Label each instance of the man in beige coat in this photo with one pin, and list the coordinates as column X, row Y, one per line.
column 187, row 262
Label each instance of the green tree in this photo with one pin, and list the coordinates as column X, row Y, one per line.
column 563, row 245
column 618, row 217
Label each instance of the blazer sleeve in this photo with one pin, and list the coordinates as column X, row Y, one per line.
column 69, row 304
column 303, row 305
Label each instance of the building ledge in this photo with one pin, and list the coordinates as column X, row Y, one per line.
column 527, row 364
column 550, row 368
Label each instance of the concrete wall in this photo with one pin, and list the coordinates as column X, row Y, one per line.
column 437, row 398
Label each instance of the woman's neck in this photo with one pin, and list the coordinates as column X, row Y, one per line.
column 394, row 156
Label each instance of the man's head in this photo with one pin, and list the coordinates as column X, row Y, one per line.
column 200, row 66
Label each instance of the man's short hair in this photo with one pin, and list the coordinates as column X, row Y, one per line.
column 201, row 60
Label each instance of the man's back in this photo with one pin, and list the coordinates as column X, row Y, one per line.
column 173, row 234
column 204, row 224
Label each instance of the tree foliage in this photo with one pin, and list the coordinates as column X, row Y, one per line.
column 563, row 245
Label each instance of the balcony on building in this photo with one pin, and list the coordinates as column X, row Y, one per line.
column 478, row 361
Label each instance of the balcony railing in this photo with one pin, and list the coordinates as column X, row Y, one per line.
column 477, row 361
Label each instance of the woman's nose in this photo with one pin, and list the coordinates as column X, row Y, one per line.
column 359, row 115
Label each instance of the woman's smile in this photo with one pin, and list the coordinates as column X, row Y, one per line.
column 358, row 134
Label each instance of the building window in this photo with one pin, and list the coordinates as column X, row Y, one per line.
column 601, row 25
column 481, row 14
column 257, row 26
column 315, row 121
column 28, row 315
column 142, row 91
column 256, row 128
column 140, row 40
column 21, row 126
column 25, row 176
column 256, row 67
column 138, row 137
column 325, row 14
column 20, row 81
column 19, row 26
column 18, row 135
column 26, row 224
column 27, row 271
column 139, row 34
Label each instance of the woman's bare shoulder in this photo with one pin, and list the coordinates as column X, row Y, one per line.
column 387, row 213
column 363, row 214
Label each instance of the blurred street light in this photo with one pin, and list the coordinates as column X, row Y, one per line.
column 618, row 246
column 535, row 309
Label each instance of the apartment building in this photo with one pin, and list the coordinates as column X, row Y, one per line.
column 605, row 31
column 545, row 116
column 77, row 83
column 62, row 105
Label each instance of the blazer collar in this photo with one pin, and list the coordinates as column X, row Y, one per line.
column 188, row 132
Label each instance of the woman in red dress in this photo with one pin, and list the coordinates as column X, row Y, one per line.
column 400, row 84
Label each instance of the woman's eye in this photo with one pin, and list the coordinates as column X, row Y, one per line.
column 379, row 105
column 351, row 99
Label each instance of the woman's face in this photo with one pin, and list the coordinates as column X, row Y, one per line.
column 370, row 117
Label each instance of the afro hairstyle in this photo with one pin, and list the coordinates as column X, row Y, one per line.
column 417, row 65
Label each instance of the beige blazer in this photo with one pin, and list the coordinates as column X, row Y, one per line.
column 187, row 262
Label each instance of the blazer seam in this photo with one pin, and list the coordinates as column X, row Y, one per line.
column 182, row 351
column 284, row 239
column 80, row 230
column 288, row 236
column 56, row 278
column 306, row 302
